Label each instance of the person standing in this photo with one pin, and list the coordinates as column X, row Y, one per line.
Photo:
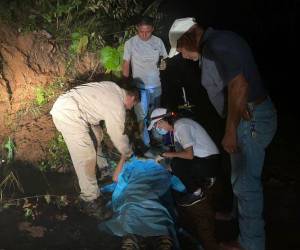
column 235, row 88
column 142, row 54
column 77, row 114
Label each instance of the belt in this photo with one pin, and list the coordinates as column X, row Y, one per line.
column 258, row 101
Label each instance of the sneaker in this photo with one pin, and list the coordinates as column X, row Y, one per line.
column 191, row 199
column 95, row 208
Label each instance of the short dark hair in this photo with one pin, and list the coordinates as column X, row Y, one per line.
column 189, row 39
column 170, row 117
column 132, row 90
column 145, row 20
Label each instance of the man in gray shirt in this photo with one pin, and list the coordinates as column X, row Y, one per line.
column 230, row 76
column 141, row 54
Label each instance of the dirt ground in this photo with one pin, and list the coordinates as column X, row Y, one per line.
column 37, row 223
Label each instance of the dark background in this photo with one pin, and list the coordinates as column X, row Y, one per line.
column 270, row 27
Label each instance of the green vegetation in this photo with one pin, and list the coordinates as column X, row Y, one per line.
column 79, row 24
column 57, row 156
column 43, row 94
column 79, row 43
column 111, row 58
column 10, row 147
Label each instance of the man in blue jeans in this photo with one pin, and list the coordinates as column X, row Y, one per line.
column 230, row 76
column 142, row 56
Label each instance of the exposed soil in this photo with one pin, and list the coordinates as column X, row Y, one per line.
column 33, row 59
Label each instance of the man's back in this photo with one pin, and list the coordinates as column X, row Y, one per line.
column 95, row 101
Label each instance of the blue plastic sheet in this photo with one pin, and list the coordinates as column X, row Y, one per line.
column 142, row 201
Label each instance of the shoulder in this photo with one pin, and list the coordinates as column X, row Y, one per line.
column 131, row 40
column 156, row 39
column 182, row 124
column 223, row 41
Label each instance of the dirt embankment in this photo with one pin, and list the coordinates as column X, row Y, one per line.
column 28, row 61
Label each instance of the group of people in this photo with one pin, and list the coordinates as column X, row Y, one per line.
column 235, row 88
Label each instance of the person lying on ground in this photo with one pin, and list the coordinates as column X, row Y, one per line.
column 142, row 204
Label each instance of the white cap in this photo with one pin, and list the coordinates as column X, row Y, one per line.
column 156, row 115
column 178, row 28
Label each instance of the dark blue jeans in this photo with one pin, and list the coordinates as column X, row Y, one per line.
column 253, row 138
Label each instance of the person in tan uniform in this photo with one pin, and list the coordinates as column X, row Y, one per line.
column 77, row 114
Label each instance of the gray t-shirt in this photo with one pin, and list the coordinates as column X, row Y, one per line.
column 144, row 56
column 224, row 56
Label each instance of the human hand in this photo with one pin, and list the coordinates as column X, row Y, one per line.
column 159, row 158
column 162, row 64
column 229, row 142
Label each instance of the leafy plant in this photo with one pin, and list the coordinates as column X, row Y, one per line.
column 43, row 94
column 58, row 155
column 79, row 43
column 112, row 58
column 10, row 148
column 41, row 97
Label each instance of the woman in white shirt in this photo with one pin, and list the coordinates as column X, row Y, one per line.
column 196, row 162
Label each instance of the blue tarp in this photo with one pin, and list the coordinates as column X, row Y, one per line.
column 142, row 201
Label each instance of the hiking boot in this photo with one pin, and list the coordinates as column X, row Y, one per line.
column 163, row 242
column 191, row 199
column 95, row 208
column 130, row 242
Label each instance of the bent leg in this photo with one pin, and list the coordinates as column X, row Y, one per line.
column 83, row 155
column 98, row 133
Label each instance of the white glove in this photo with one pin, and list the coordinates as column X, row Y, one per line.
column 159, row 158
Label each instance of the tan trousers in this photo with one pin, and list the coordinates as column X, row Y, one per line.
column 84, row 155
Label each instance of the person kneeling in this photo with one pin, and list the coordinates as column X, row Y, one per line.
column 195, row 162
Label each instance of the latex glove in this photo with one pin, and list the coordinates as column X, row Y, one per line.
column 159, row 158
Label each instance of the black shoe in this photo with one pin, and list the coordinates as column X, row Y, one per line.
column 191, row 199
column 95, row 208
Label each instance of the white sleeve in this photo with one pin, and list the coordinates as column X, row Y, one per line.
column 163, row 51
column 184, row 136
column 115, row 124
column 127, row 51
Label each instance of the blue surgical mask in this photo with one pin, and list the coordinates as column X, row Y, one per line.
column 161, row 131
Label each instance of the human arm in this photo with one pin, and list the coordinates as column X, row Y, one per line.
column 237, row 107
column 126, row 68
column 186, row 153
column 119, row 167
column 115, row 125
column 163, row 55
column 126, row 59
column 231, row 63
